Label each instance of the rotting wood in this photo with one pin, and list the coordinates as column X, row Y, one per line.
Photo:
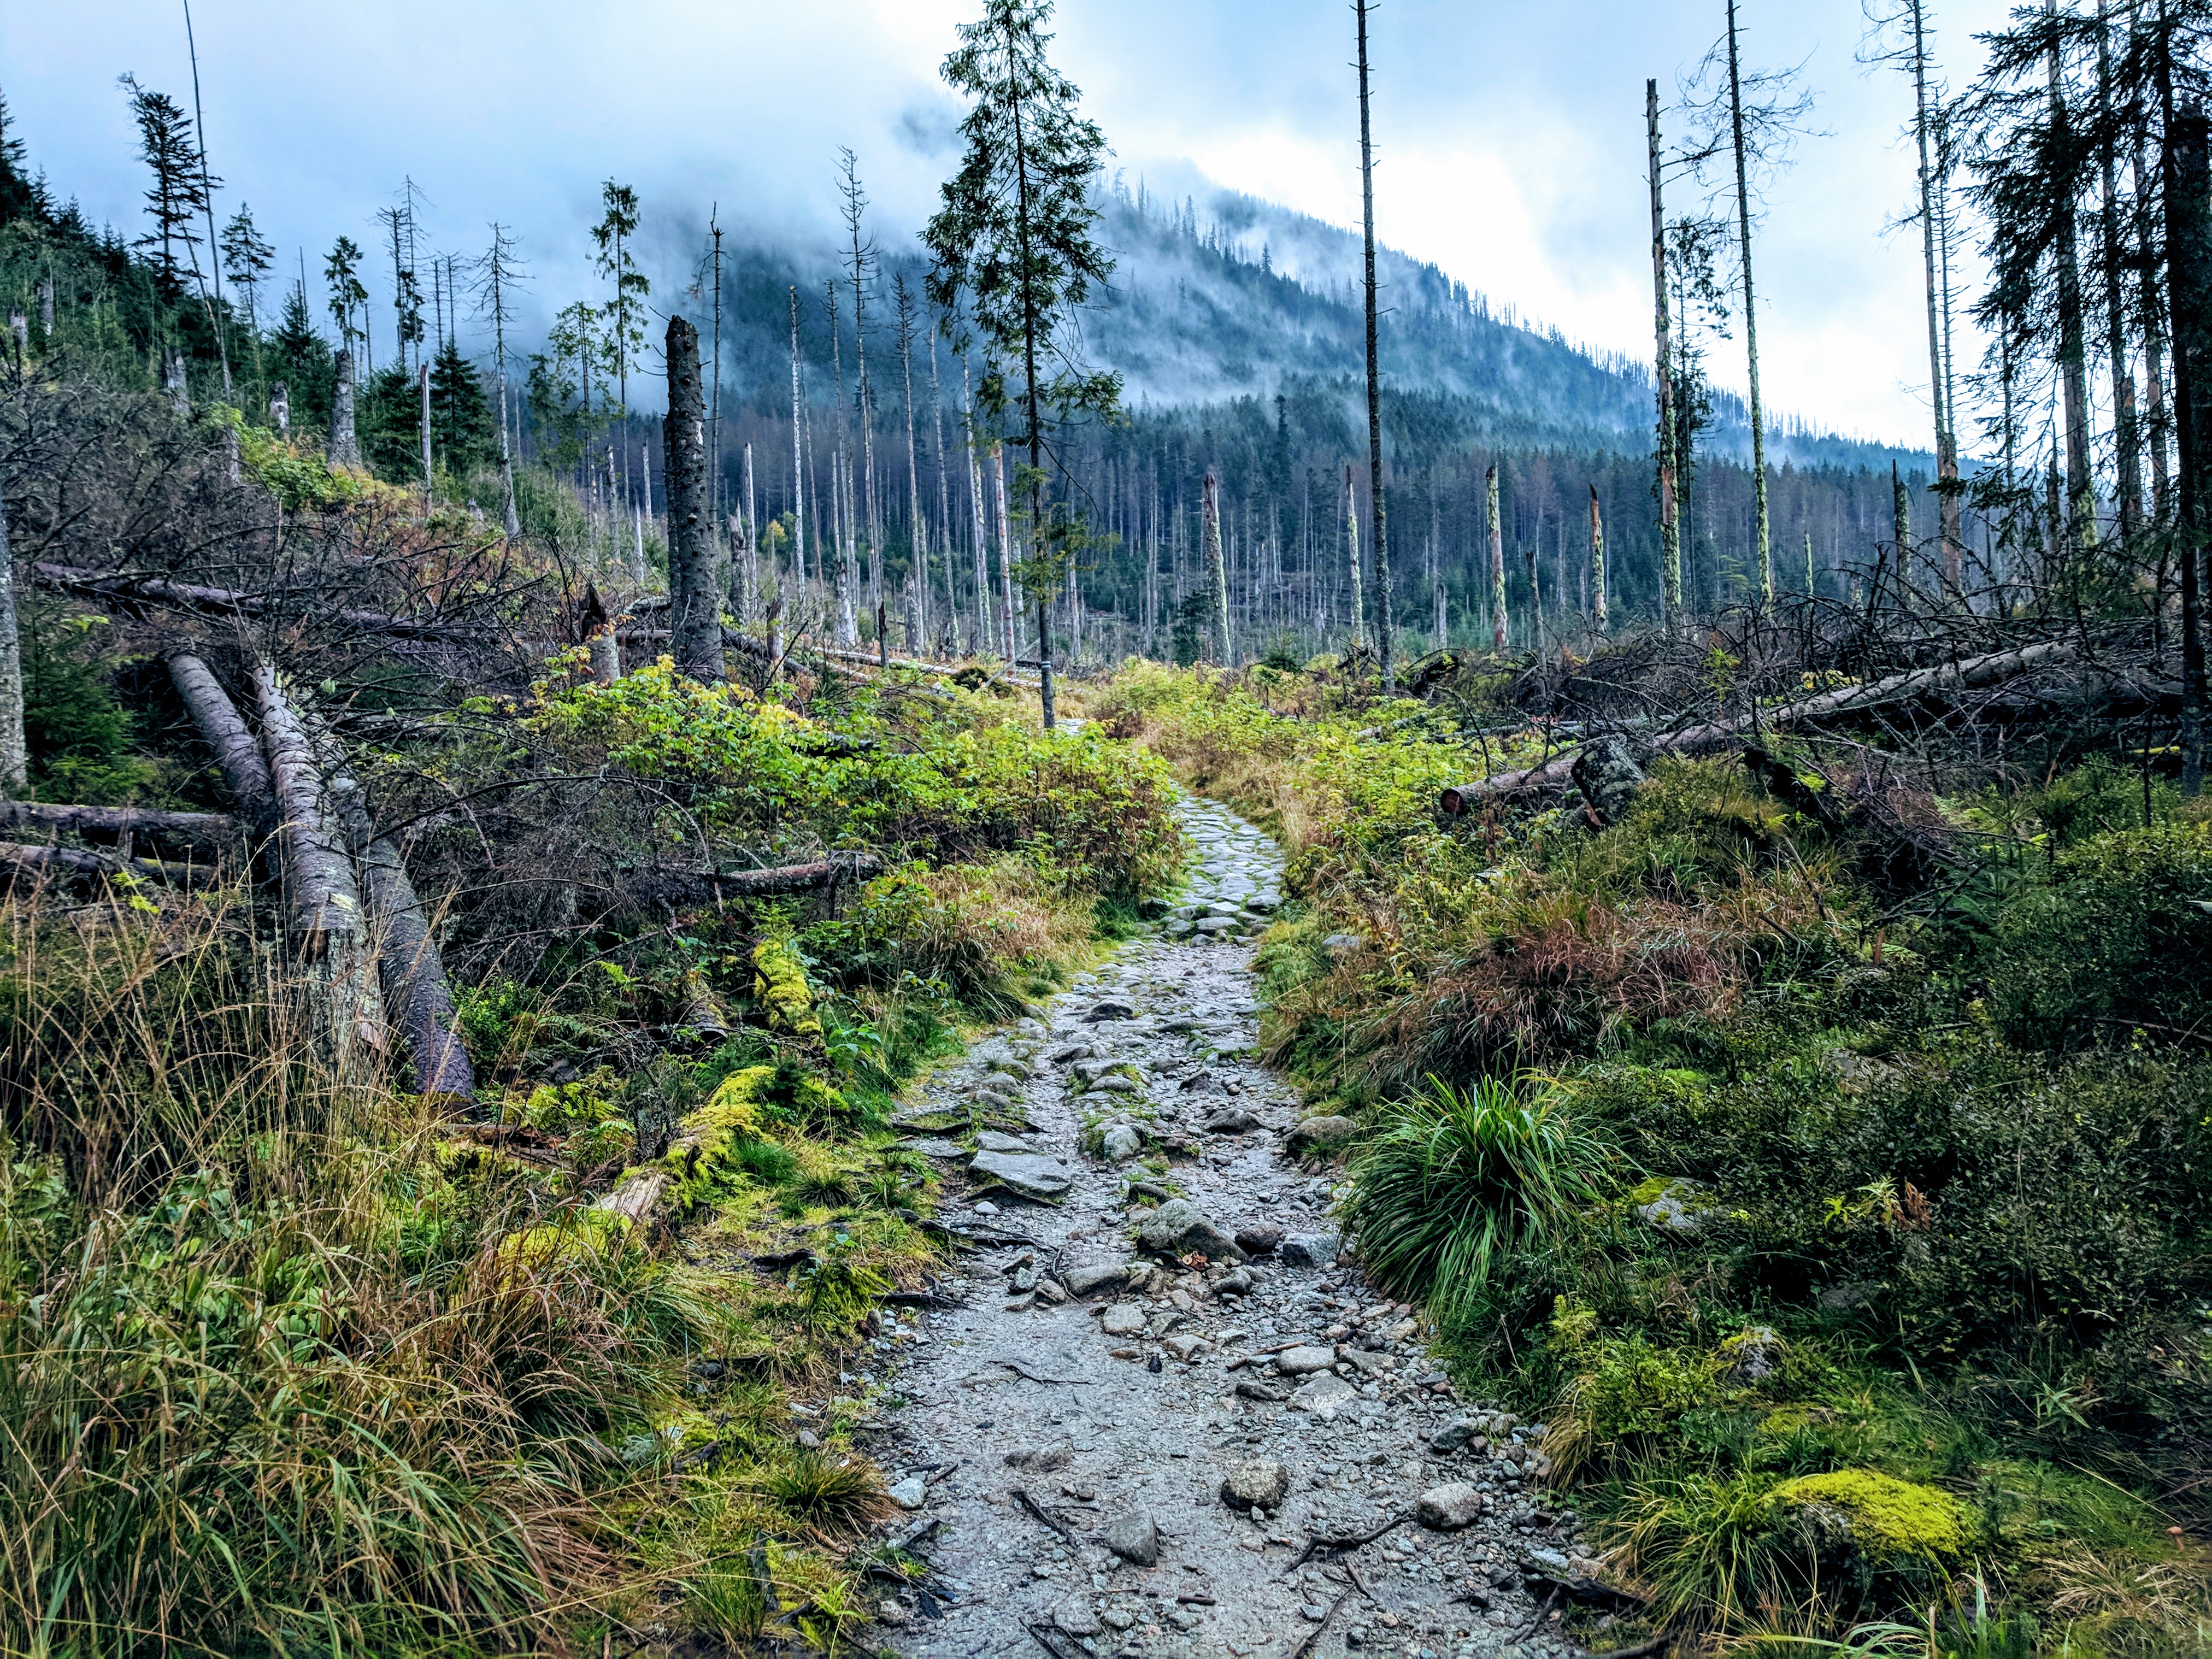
column 217, row 831
column 79, row 861
column 231, row 602
column 704, row 886
column 1967, row 675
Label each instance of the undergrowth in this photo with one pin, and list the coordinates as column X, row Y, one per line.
column 1847, row 1232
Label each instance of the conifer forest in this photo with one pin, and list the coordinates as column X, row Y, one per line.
column 1086, row 915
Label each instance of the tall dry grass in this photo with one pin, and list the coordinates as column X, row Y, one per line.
column 279, row 1371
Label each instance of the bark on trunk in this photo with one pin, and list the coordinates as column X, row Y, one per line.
column 324, row 925
column 2188, row 182
column 1376, row 504
column 1351, row 540
column 2073, row 355
column 1216, row 573
column 345, row 444
column 215, row 832
column 1973, row 672
column 427, row 474
column 77, row 861
column 695, row 583
column 1597, row 563
column 237, row 756
column 14, row 756
column 1670, row 523
column 411, row 972
column 173, row 380
column 1498, row 619
column 2126, row 430
column 1750, row 323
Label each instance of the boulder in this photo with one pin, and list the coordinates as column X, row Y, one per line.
column 1114, row 1084
column 1122, row 1319
column 1304, row 1361
column 1460, row 1432
column 1448, row 1508
column 1309, row 1250
column 1234, row 1121
column 1185, row 1346
column 1342, row 944
column 1099, row 1276
column 1077, row 1618
column 1120, row 1143
column 1109, row 1008
column 1030, row 1175
column 1177, row 1228
column 1850, row 1516
column 996, row 1140
column 1323, row 1395
column 1134, row 1537
column 1260, row 1482
column 1259, row 1240
column 911, row 1492
column 1323, row 1132
column 1675, row 1205
column 1753, row 1354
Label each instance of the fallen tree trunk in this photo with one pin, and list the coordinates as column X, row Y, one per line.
column 704, row 886
column 236, row 754
column 1974, row 671
column 231, row 602
column 410, row 970
column 323, row 922
column 216, row 831
column 76, row 861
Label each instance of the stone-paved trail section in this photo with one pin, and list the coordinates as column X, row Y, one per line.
column 1123, row 1437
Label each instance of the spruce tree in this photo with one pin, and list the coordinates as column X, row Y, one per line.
column 1014, row 256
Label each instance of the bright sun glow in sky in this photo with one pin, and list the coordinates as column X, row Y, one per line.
column 1511, row 137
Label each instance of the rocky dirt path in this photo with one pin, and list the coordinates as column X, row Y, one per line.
column 1141, row 1413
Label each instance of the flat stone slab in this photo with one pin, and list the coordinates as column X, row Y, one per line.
column 1302, row 1360
column 1032, row 1175
column 1122, row 1319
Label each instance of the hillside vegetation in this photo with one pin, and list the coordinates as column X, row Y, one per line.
column 1823, row 1157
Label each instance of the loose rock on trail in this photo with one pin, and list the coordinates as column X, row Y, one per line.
column 1161, row 1394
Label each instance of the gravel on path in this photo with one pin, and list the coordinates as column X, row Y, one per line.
column 1108, row 1451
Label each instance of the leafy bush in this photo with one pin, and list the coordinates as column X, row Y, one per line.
column 2115, row 945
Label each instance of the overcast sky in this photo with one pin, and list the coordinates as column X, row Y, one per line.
column 1510, row 136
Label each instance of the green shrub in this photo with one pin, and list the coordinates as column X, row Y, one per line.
column 1453, row 1179
column 2116, row 943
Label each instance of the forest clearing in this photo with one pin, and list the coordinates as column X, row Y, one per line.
column 1117, row 933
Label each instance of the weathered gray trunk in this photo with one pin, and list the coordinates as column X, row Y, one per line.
column 1216, row 573
column 1351, row 540
column 214, row 832
column 173, row 380
column 1377, row 501
column 1597, row 563
column 326, row 929
column 426, row 473
column 1763, row 528
column 1497, row 615
column 411, row 972
column 345, row 446
column 15, row 757
column 2073, row 350
column 695, row 580
column 280, row 407
column 236, row 755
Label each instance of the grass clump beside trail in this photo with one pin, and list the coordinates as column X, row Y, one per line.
column 293, row 1365
column 1836, row 1191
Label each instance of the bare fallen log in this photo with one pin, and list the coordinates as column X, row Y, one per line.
column 410, row 970
column 231, row 602
column 1973, row 672
column 705, row 886
column 78, row 861
column 216, row 831
column 324, row 922
column 236, row 754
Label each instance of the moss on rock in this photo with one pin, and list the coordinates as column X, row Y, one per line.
column 1890, row 1521
column 780, row 983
